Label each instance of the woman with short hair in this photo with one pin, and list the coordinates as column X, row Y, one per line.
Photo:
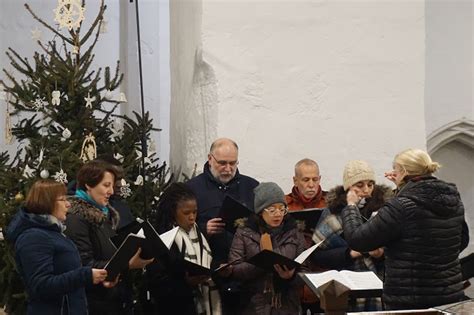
column 423, row 231
column 91, row 222
column 48, row 262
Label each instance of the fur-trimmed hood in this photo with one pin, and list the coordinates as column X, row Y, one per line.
column 92, row 214
column 336, row 198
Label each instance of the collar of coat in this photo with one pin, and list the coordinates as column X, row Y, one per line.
column 92, row 214
column 211, row 177
column 336, row 198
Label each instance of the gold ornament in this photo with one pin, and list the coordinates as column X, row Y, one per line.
column 89, row 148
column 19, row 197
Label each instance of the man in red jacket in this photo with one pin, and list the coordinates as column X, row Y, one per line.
column 307, row 193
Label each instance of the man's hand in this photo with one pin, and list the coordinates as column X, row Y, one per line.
column 355, row 254
column 215, row 226
column 284, row 272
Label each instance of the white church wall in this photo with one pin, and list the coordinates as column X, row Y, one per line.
column 332, row 81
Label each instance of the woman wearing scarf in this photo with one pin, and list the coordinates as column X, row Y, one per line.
column 268, row 292
column 48, row 262
column 423, row 231
column 172, row 290
column 91, row 222
column 335, row 253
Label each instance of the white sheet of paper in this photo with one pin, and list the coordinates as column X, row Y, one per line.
column 168, row 237
column 302, row 257
column 140, row 233
column 366, row 280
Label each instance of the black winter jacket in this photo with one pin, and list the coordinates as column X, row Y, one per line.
column 210, row 195
column 90, row 229
column 421, row 229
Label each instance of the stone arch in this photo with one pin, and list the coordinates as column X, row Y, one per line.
column 461, row 130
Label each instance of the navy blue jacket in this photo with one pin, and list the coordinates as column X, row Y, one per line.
column 49, row 265
column 210, row 195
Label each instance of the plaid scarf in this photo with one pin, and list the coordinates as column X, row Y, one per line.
column 329, row 228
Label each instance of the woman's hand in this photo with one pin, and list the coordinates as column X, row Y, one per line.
column 390, row 176
column 377, row 253
column 226, row 272
column 355, row 254
column 98, row 275
column 111, row 284
column 352, row 198
column 284, row 272
column 136, row 262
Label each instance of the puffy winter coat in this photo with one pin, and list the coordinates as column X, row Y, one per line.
column 49, row 265
column 421, row 229
column 289, row 242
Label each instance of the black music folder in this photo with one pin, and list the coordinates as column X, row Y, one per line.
column 120, row 259
column 155, row 245
column 232, row 210
column 310, row 217
column 267, row 258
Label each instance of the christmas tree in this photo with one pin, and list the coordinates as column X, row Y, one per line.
column 66, row 115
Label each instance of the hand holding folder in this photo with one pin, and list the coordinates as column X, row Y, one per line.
column 266, row 259
column 230, row 211
column 155, row 246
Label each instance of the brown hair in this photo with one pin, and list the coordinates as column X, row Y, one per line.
column 92, row 173
column 42, row 196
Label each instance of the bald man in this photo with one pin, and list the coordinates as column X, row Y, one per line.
column 306, row 192
column 221, row 177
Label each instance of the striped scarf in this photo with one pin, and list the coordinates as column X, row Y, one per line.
column 197, row 250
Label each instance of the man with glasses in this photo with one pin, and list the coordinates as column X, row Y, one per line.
column 220, row 178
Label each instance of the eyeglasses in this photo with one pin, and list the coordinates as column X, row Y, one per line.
column 274, row 211
column 224, row 163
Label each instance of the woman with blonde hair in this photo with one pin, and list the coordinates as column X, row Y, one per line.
column 423, row 231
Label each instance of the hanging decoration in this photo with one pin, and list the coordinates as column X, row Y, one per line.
column 55, row 97
column 44, row 174
column 117, row 129
column 60, row 177
column 119, row 157
column 39, row 103
column 89, row 148
column 108, row 95
column 66, row 133
column 139, row 181
column 89, row 100
column 36, row 34
column 8, row 121
column 103, row 26
column 19, row 197
column 28, row 172
column 125, row 190
column 69, row 13
column 122, row 98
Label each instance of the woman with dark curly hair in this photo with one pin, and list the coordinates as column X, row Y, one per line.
column 172, row 290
